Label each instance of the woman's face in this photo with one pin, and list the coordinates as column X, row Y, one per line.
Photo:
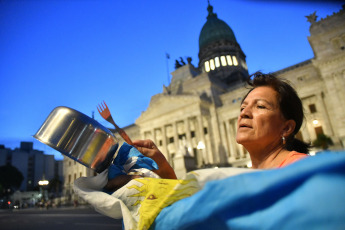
column 260, row 122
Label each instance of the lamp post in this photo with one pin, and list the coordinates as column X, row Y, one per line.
column 43, row 183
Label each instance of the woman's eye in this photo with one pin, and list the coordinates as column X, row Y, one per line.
column 242, row 108
column 261, row 107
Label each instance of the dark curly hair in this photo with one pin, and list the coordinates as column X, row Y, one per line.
column 289, row 103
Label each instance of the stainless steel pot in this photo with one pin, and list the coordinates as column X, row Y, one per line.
column 79, row 137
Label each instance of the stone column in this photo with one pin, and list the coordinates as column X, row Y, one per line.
column 336, row 111
column 164, row 144
column 235, row 148
column 188, row 136
column 325, row 116
column 211, row 156
column 154, row 136
column 226, row 131
column 200, row 137
column 175, row 135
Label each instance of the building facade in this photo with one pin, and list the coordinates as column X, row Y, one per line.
column 71, row 171
column 196, row 115
column 193, row 121
column 33, row 164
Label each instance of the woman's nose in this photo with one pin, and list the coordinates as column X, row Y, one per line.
column 246, row 112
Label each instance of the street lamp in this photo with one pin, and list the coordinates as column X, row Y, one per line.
column 201, row 145
column 42, row 183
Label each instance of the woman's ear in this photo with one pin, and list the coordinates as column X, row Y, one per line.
column 289, row 127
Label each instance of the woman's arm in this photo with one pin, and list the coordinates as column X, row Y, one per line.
column 149, row 149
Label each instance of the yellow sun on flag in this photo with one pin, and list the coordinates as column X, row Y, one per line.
column 155, row 194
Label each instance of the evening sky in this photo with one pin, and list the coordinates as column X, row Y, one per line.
column 77, row 53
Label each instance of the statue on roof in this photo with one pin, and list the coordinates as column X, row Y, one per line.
column 182, row 61
column 177, row 64
column 312, row 18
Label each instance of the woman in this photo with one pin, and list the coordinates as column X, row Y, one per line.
column 271, row 115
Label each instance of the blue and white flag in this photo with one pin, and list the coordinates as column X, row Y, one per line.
column 308, row 194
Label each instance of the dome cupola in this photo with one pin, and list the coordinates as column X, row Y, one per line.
column 219, row 53
column 214, row 30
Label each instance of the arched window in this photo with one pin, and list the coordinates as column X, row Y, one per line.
column 228, row 58
column 212, row 64
column 216, row 60
column 235, row 60
column 207, row 66
column 223, row 60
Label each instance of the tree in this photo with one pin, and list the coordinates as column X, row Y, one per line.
column 10, row 178
column 55, row 185
column 322, row 141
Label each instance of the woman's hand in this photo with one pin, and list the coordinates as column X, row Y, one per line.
column 149, row 149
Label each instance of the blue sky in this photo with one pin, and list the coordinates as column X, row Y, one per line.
column 77, row 53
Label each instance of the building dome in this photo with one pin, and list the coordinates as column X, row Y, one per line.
column 220, row 55
column 215, row 30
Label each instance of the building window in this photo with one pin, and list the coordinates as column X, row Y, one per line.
column 160, row 142
column 212, row 64
column 205, row 130
column 216, row 60
column 192, row 134
column 171, row 140
column 228, row 58
column 180, row 136
column 235, row 60
column 312, row 108
column 207, row 66
column 223, row 60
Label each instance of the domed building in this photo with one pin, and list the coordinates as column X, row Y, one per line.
column 219, row 53
column 185, row 120
column 193, row 121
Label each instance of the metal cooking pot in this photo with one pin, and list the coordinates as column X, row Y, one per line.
column 78, row 137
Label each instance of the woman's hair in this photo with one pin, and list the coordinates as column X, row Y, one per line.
column 289, row 103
